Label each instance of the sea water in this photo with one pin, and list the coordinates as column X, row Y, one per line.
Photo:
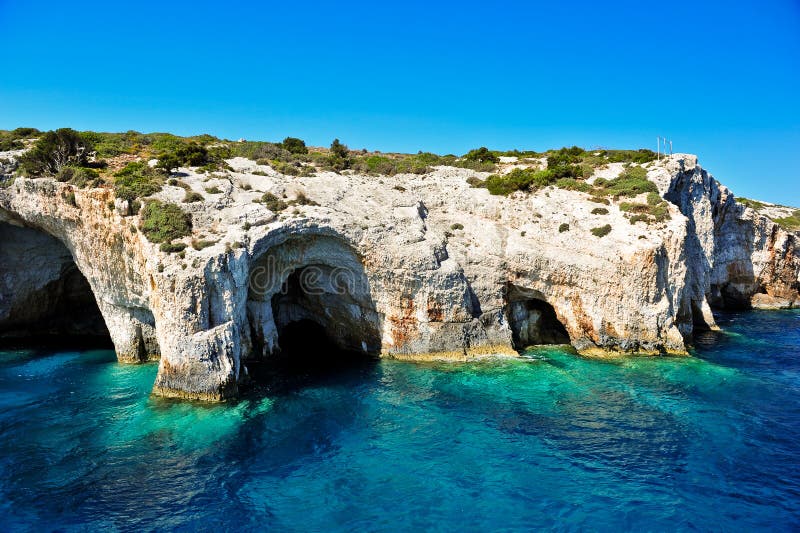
column 553, row 440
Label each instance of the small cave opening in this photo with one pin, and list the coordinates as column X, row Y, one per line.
column 44, row 298
column 320, row 322
column 532, row 320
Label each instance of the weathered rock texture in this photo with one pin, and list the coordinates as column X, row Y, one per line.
column 416, row 267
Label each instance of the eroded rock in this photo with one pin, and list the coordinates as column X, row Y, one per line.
column 431, row 269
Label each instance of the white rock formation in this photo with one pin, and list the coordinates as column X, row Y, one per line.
column 410, row 266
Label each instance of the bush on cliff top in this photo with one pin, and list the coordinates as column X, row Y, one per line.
column 632, row 182
column 12, row 140
column 163, row 222
column 272, row 202
column 137, row 180
column 481, row 155
column 294, row 145
column 79, row 176
column 601, row 231
column 55, row 150
column 791, row 222
column 753, row 204
column 519, row 179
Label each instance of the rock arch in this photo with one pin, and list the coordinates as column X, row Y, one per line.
column 44, row 291
column 313, row 283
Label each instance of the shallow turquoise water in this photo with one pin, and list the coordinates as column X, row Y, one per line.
column 710, row 442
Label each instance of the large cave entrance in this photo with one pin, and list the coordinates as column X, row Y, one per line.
column 311, row 310
column 44, row 298
column 532, row 320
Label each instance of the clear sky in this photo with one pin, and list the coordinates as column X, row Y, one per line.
column 721, row 79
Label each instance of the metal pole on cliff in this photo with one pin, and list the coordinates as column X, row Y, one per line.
column 670, row 148
column 658, row 148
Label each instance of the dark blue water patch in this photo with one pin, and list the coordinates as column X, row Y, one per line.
column 708, row 442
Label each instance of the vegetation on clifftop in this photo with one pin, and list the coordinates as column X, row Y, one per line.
column 137, row 180
column 791, row 222
column 163, row 222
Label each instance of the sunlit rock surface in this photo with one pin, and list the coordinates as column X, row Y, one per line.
column 410, row 266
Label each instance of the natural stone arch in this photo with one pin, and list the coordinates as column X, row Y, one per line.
column 316, row 281
column 44, row 291
column 532, row 320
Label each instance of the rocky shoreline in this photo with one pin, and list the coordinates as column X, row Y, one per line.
column 412, row 266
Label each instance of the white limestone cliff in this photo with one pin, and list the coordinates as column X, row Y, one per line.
column 410, row 266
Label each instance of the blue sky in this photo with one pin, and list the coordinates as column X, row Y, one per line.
column 722, row 79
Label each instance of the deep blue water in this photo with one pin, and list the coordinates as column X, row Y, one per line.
column 710, row 442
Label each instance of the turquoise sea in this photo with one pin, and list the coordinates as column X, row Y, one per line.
column 710, row 442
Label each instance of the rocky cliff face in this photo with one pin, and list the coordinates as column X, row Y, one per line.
column 412, row 266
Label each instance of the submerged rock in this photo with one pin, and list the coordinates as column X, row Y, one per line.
column 411, row 266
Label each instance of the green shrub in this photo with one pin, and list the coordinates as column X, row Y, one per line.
column 753, row 204
column 478, row 166
column 339, row 150
column 273, row 203
column 10, row 144
column 288, row 169
column 563, row 227
column 376, row 164
column 178, row 183
column 12, row 140
column 641, row 156
column 164, row 222
column 519, row 179
column 571, row 184
column 171, row 248
column 649, row 213
column 213, row 190
column 193, row 155
column 24, row 133
column 653, row 198
column 168, row 163
column 202, row 243
column 269, row 152
column 294, row 145
column 792, row 222
column 336, row 163
column 481, row 155
column 389, row 166
column 631, row 182
column 79, row 176
column 599, row 199
column 475, row 181
column 601, row 231
column 564, row 157
column 599, row 211
column 632, row 207
column 137, row 180
column 302, row 199
column 457, row 226
column 192, row 196
column 55, row 150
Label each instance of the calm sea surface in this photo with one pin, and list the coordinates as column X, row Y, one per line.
column 710, row 442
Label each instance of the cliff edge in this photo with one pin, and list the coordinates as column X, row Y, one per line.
column 416, row 266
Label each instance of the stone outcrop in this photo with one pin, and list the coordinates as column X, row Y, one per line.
column 413, row 266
